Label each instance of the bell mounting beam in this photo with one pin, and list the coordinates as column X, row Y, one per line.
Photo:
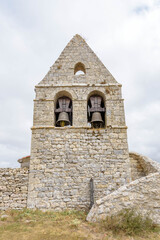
column 96, row 102
column 64, row 103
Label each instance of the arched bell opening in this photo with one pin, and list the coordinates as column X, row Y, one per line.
column 79, row 69
column 96, row 111
column 63, row 112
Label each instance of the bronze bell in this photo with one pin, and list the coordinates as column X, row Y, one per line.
column 63, row 119
column 96, row 121
column 96, row 117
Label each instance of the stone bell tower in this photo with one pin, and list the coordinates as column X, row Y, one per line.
column 78, row 133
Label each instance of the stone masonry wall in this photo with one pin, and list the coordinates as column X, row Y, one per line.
column 142, row 194
column 141, row 165
column 137, row 170
column 64, row 159
column 46, row 97
column 62, row 71
column 146, row 164
column 13, row 188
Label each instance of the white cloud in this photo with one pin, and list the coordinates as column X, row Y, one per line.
column 124, row 34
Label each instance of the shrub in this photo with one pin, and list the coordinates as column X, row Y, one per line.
column 129, row 222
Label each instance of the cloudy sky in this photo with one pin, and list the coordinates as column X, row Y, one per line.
column 125, row 34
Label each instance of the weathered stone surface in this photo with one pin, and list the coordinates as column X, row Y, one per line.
column 13, row 188
column 25, row 161
column 64, row 159
column 142, row 165
column 66, row 173
column 142, row 194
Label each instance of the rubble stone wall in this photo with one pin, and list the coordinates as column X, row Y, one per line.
column 137, row 170
column 77, row 51
column 13, row 188
column 46, row 97
column 63, row 160
column 142, row 165
column 142, row 194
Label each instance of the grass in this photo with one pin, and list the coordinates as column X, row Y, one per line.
column 130, row 223
column 71, row 225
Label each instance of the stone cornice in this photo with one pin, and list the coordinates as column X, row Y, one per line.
column 80, row 85
column 41, row 99
column 72, row 127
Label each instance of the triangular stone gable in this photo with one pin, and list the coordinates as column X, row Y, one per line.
column 77, row 51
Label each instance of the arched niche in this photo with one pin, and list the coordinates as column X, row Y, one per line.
column 79, row 68
column 96, row 109
column 61, row 94
column 63, row 109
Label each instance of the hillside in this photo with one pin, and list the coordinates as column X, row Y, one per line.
column 68, row 225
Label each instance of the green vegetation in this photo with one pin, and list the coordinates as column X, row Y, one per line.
column 71, row 225
column 130, row 223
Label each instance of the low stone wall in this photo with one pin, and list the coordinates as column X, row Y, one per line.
column 142, row 194
column 142, row 165
column 137, row 170
column 13, row 188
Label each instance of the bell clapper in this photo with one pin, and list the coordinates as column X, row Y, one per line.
column 62, row 123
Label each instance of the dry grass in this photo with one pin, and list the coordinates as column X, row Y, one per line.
column 68, row 225
column 130, row 223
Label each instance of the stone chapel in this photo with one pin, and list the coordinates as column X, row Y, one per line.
column 79, row 152
column 79, row 132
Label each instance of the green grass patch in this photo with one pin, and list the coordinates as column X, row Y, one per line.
column 130, row 222
column 30, row 224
